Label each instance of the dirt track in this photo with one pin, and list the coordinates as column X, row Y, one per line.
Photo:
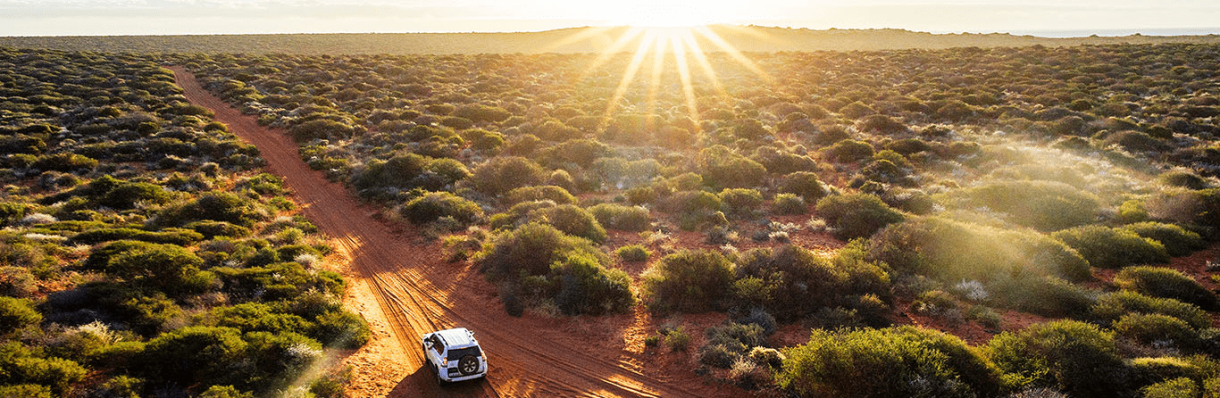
column 415, row 292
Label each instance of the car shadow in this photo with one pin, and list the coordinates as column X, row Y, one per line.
column 422, row 383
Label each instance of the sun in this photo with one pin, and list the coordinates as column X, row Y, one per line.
column 668, row 13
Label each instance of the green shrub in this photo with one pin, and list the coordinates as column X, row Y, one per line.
column 985, row 316
column 1046, row 296
column 722, row 168
column 519, row 213
column 893, row 362
column 1110, row 307
column 1075, row 357
column 212, row 229
column 1149, row 371
column 1165, row 283
column 688, row 281
column 502, row 174
column 786, row 203
column 847, row 151
column 22, row 367
column 677, row 339
column 804, row 184
column 169, row 268
column 65, row 162
column 1182, row 178
column 623, row 218
column 542, row 192
column 1045, row 205
column 26, row 391
column 691, row 202
column 1106, row 247
column 1149, row 328
column 856, row 215
column 16, row 314
column 435, row 205
column 1177, row 240
column 951, row 251
column 1132, row 211
column 480, row 113
column 1177, row 388
column 174, row 236
column 572, row 220
column 792, row 282
column 195, row 354
column 740, row 202
column 633, row 253
column 225, row 392
column 546, row 264
column 215, row 206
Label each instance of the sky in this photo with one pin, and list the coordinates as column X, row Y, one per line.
column 162, row 17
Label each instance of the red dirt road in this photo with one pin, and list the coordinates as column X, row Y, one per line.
column 415, row 292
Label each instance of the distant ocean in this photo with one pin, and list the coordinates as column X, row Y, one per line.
column 1119, row 32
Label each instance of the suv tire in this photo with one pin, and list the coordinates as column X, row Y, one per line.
column 468, row 365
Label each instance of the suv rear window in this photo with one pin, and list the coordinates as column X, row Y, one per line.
column 458, row 353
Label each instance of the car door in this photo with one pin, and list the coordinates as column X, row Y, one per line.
column 438, row 351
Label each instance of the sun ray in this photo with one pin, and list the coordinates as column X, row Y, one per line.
column 732, row 51
column 704, row 64
column 688, row 90
column 628, row 76
column 611, row 51
column 658, row 63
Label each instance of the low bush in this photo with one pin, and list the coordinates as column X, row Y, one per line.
column 1182, row 178
column 951, row 251
column 722, row 168
column 791, row 282
column 786, row 203
column 856, row 215
column 433, row 206
column 1106, row 247
column 175, row 236
column 503, row 174
column 212, row 229
column 572, row 220
column 215, row 206
column 893, row 362
column 677, row 339
column 16, row 314
column 633, row 253
column 542, row 192
column 1177, row 388
column 623, row 218
column 1165, row 283
column 804, row 184
column 1075, row 357
column 1047, row 296
column 1045, row 205
column 688, row 281
column 847, row 151
column 539, row 262
column 740, row 202
column 1177, row 240
column 1156, row 328
column 1111, row 306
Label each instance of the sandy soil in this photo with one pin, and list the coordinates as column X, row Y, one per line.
column 401, row 284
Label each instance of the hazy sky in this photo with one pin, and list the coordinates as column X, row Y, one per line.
column 114, row 17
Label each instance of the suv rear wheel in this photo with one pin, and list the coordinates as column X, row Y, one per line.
column 468, row 365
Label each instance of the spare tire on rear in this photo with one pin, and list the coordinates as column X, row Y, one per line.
column 468, row 365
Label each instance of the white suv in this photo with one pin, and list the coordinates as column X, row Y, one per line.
column 455, row 355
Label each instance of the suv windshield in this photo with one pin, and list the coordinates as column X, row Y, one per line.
column 458, row 353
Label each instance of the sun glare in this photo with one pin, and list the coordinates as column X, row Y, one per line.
column 669, row 13
column 681, row 45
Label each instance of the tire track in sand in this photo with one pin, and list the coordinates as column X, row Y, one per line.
column 419, row 293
